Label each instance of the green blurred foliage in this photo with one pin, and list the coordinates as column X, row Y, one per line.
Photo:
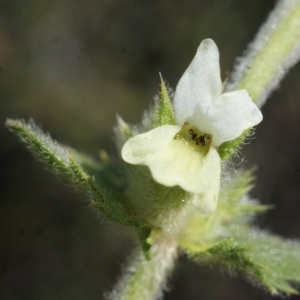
column 71, row 66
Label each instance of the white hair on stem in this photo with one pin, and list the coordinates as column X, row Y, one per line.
column 280, row 12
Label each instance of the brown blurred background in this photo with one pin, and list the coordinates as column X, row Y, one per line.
column 71, row 66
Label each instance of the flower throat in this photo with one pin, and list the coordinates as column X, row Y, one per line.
column 200, row 141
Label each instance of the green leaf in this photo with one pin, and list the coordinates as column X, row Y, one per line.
column 113, row 209
column 266, row 260
column 47, row 150
column 233, row 257
column 62, row 161
column 227, row 149
column 163, row 112
column 234, row 209
column 280, row 258
column 166, row 113
column 235, row 206
column 108, row 174
column 123, row 132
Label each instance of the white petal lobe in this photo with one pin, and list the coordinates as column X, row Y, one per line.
column 144, row 147
column 200, row 83
column 232, row 114
column 173, row 162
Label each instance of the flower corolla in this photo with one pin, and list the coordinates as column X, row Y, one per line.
column 186, row 154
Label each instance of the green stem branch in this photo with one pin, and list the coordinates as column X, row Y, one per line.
column 271, row 61
column 275, row 49
column 145, row 279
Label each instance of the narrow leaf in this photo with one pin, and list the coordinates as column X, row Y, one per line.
column 265, row 260
column 163, row 112
column 166, row 113
column 60, row 159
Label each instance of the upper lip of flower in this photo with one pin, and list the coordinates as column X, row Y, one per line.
column 199, row 100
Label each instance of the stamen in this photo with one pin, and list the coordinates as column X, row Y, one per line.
column 189, row 133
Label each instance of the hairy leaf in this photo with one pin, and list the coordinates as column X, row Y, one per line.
column 61, row 160
column 266, row 260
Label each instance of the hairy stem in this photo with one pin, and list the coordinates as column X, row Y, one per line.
column 275, row 49
column 145, row 279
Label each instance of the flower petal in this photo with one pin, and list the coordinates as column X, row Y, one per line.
column 141, row 148
column 174, row 162
column 206, row 203
column 199, row 84
column 232, row 114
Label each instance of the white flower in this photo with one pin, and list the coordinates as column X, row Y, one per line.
column 185, row 154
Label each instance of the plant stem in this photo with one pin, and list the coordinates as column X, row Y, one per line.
column 145, row 279
column 275, row 49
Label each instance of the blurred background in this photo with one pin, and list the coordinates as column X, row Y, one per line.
column 71, row 66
